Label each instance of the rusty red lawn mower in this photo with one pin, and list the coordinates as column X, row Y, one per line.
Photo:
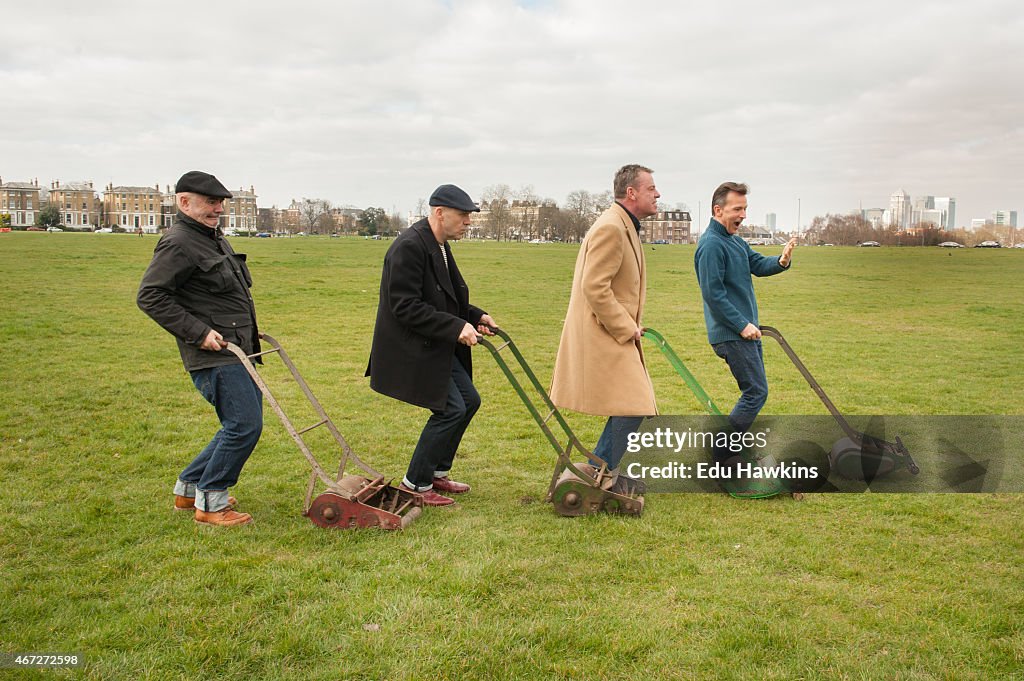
column 349, row 501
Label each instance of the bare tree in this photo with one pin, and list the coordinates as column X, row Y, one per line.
column 396, row 223
column 312, row 212
column 499, row 217
column 603, row 201
column 580, row 211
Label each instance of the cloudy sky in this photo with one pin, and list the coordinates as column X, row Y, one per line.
column 828, row 106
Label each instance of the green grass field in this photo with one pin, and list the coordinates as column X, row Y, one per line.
column 98, row 418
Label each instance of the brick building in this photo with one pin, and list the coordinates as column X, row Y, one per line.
column 133, row 207
column 79, row 206
column 21, row 201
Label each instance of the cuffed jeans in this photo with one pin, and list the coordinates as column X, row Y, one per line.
column 239, row 405
column 746, row 362
column 435, row 451
column 611, row 446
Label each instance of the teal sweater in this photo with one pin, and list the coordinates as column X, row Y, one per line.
column 724, row 264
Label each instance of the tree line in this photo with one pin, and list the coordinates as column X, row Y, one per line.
column 850, row 230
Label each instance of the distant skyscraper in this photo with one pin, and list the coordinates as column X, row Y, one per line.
column 876, row 216
column 922, row 204
column 947, row 204
column 769, row 222
column 931, row 216
column 1005, row 217
column 899, row 209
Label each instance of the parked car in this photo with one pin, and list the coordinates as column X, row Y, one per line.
column 660, row 242
column 950, row 244
column 54, row 229
column 104, row 230
column 988, row 244
column 870, row 244
column 1020, row 245
column 263, row 235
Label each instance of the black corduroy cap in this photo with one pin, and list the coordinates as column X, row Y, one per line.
column 198, row 182
column 451, row 196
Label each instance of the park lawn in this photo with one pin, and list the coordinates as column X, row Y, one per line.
column 99, row 417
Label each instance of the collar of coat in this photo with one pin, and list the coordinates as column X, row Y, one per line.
column 210, row 233
column 445, row 275
column 626, row 218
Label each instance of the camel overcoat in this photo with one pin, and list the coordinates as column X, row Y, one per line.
column 600, row 368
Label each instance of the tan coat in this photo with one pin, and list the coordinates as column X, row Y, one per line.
column 599, row 368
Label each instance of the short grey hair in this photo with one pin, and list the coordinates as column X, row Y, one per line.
column 626, row 177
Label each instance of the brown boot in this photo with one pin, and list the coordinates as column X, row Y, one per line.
column 189, row 503
column 222, row 518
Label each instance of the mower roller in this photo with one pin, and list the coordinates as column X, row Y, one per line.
column 858, row 456
column 350, row 501
column 576, row 489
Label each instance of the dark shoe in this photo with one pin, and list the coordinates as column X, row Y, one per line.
column 430, row 497
column 222, row 518
column 449, row 486
column 189, row 503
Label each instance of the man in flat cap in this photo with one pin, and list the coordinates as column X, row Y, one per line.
column 422, row 338
column 197, row 288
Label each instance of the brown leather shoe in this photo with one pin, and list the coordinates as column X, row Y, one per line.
column 222, row 518
column 430, row 497
column 189, row 503
column 449, row 486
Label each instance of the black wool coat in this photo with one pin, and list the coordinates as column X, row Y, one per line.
column 422, row 310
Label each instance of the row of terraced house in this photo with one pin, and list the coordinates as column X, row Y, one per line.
column 128, row 208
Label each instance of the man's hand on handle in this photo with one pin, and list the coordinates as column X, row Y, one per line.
column 750, row 332
column 482, row 329
column 486, row 324
column 214, row 342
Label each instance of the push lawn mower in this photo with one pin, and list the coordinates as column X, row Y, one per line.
column 576, row 488
column 858, row 456
column 349, row 501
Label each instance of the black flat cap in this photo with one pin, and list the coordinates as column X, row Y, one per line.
column 198, row 182
column 451, row 196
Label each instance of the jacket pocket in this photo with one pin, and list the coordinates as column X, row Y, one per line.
column 215, row 274
column 236, row 328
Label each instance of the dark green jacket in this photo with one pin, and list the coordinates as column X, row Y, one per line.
column 196, row 282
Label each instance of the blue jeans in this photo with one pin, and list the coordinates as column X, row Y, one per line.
column 746, row 361
column 611, row 446
column 441, row 436
column 239, row 406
